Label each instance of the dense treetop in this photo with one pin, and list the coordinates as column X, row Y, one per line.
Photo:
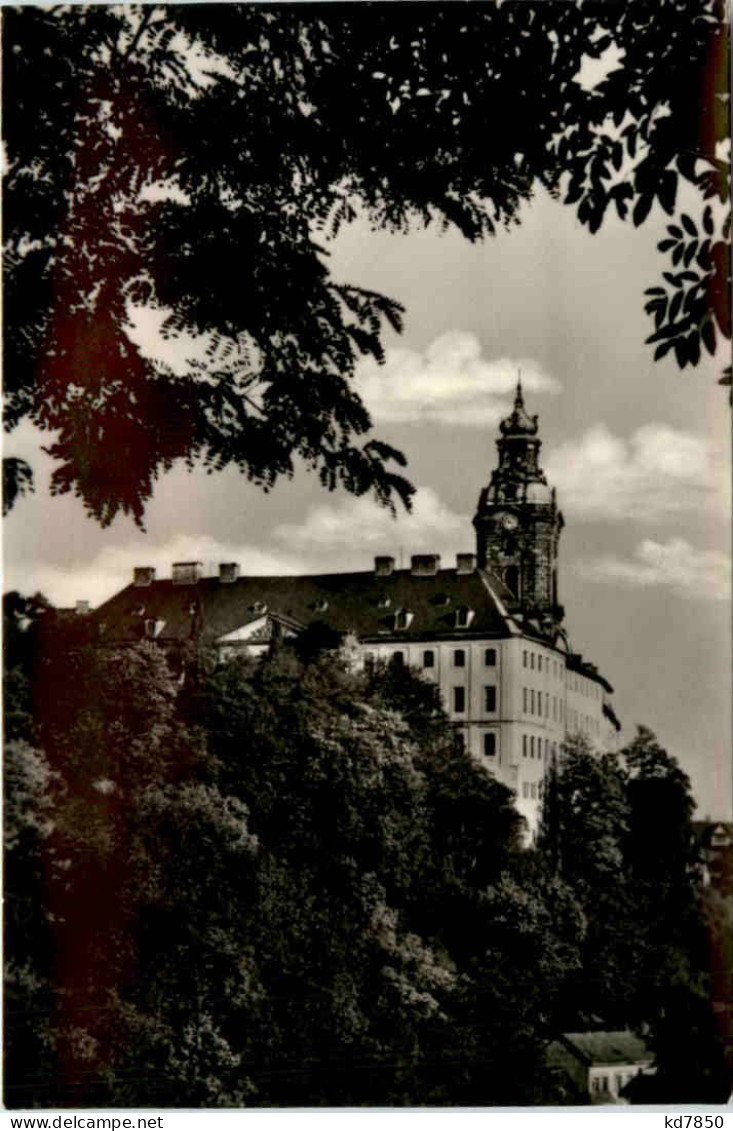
column 285, row 882
column 197, row 158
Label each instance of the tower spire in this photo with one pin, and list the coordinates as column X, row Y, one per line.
column 518, row 398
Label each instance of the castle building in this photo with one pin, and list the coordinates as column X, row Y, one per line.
column 487, row 630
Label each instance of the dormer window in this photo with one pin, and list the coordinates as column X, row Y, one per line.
column 384, row 601
column 153, row 628
column 259, row 607
column 321, row 605
column 464, row 616
column 403, row 618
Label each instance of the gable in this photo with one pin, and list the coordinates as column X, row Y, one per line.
column 256, row 628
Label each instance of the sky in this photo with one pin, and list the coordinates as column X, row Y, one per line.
column 639, row 453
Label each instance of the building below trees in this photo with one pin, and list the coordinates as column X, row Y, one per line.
column 487, row 631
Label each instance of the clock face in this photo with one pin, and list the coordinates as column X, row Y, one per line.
column 509, row 521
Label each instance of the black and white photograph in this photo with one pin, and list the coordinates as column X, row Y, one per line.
column 367, row 555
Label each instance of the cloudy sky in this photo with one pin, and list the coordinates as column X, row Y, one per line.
column 639, row 453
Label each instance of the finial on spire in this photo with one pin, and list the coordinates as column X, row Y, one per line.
column 519, row 399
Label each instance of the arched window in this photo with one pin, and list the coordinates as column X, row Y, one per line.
column 464, row 616
column 428, row 658
column 398, row 659
column 402, row 618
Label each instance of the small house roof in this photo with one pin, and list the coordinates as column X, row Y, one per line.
column 608, row 1047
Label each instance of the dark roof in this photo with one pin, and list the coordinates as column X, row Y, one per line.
column 617, row 1047
column 347, row 602
column 576, row 663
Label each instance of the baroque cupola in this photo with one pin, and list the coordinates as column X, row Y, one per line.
column 517, row 521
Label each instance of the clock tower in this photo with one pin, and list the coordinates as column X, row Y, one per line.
column 517, row 521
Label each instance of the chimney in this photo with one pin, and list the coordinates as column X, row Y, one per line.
column 425, row 565
column 465, row 563
column 82, row 608
column 383, row 567
column 228, row 572
column 143, row 575
column 186, row 573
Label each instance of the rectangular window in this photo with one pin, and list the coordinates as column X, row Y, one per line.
column 459, row 699
column 459, row 658
column 539, row 663
column 524, row 700
column 531, row 660
column 428, row 659
column 524, row 659
column 398, row 659
column 525, row 789
column 490, row 698
column 531, row 747
column 490, row 744
column 531, row 701
column 547, row 704
column 490, row 657
column 533, row 790
column 524, row 745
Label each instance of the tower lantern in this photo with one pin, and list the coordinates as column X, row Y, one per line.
column 517, row 521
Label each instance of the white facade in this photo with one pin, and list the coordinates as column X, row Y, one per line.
column 514, row 701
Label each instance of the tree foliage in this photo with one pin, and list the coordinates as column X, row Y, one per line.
column 208, row 188
column 617, row 829
column 309, row 896
column 285, row 882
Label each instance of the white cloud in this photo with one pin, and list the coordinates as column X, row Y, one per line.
column 659, row 471
column 111, row 569
column 331, row 537
column 704, row 574
column 450, row 383
column 333, row 534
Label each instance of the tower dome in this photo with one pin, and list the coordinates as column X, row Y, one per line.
column 519, row 423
